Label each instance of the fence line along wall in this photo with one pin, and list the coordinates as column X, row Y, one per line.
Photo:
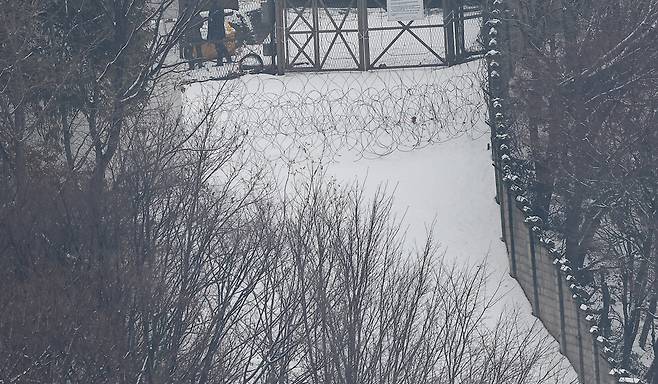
column 542, row 271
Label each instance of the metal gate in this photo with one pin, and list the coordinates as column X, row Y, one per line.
column 330, row 35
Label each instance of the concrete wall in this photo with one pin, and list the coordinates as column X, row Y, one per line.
column 542, row 271
column 549, row 293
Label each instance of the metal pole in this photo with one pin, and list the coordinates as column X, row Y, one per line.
column 364, row 40
column 512, row 232
column 535, row 281
column 449, row 30
column 273, row 42
column 366, row 37
column 316, row 35
column 459, row 26
column 279, row 36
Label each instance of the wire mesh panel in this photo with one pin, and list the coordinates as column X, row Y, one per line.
column 301, row 33
column 471, row 13
column 395, row 44
column 322, row 34
column 338, row 35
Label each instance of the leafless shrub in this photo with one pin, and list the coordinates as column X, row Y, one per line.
column 371, row 313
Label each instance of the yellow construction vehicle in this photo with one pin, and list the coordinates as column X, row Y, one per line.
column 211, row 37
column 206, row 50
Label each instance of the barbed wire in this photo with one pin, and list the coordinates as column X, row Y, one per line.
column 294, row 116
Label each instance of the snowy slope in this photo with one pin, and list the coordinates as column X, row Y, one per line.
column 302, row 121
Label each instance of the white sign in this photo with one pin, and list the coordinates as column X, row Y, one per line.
column 405, row 10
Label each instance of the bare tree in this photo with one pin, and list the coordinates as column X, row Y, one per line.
column 371, row 313
column 583, row 85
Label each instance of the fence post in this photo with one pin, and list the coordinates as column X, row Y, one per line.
column 449, row 30
column 500, row 199
column 364, row 39
column 597, row 369
column 581, row 363
column 510, row 217
column 460, row 40
column 560, row 293
column 316, row 34
column 279, row 35
column 535, row 284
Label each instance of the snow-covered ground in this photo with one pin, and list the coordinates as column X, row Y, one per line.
column 421, row 132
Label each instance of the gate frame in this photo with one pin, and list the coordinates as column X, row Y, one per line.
column 453, row 26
